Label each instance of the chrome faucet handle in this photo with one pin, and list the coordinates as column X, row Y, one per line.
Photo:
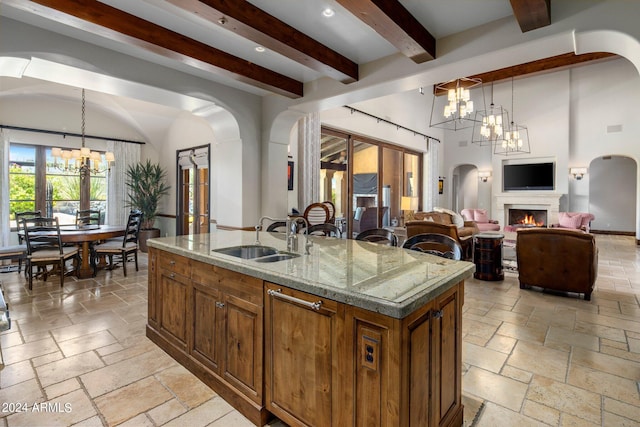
column 308, row 244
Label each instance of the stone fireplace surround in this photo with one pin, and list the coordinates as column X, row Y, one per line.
column 527, row 200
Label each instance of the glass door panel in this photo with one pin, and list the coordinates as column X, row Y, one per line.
column 364, row 184
column 333, row 174
column 392, row 184
column 193, row 191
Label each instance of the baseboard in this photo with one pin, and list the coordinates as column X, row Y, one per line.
column 613, row 232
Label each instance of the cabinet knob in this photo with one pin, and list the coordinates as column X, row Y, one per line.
column 172, row 263
column 172, row 275
column 219, row 304
column 438, row 314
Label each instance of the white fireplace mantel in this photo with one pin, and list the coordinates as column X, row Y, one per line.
column 523, row 200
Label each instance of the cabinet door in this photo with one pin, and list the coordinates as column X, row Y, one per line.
column 153, row 287
column 243, row 344
column 300, row 341
column 173, row 315
column 208, row 318
column 447, row 344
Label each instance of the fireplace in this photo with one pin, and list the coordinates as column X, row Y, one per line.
column 528, row 217
column 548, row 202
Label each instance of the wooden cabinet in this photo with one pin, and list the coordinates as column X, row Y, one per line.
column 446, row 341
column 153, row 287
column 269, row 349
column 328, row 363
column 173, row 290
column 227, row 326
column 301, row 333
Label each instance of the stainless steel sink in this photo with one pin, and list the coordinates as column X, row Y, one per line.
column 281, row 256
column 247, row 251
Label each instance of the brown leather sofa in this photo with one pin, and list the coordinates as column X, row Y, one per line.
column 558, row 259
column 469, row 229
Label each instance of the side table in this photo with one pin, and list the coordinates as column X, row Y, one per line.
column 487, row 256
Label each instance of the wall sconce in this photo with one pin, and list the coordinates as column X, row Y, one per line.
column 484, row 175
column 578, row 173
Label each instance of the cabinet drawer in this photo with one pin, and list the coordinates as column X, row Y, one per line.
column 174, row 264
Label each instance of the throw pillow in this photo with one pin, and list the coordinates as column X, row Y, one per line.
column 480, row 216
column 456, row 218
column 570, row 221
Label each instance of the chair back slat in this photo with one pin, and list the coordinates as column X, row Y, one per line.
column 316, row 213
column 88, row 217
column 24, row 215
column 42, row 234
column 133, row 228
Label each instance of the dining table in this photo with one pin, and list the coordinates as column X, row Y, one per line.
column 83, row 236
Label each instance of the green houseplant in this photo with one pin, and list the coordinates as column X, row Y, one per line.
column 147, row 186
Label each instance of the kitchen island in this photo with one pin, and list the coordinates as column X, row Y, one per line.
column 354, row 333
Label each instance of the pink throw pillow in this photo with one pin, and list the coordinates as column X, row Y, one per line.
column 568, row 220
column 481, row 216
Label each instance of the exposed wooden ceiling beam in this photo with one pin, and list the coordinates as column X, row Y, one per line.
column 532, row 14
column 246, row 20
column 547, row 64
column 553, row 63
column 393, row 22
column 99, row 18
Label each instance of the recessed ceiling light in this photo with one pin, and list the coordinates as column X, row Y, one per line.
column 328, row 12
column 260, row 49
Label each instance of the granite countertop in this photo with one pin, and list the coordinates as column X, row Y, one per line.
column 388, row 280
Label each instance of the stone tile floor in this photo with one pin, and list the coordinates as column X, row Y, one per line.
column 535, row 359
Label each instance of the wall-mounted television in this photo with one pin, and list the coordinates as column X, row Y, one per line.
column 528, row 176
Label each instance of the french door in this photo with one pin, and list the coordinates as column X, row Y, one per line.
column 193, row 191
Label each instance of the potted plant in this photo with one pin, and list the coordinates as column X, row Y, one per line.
column 146, row 182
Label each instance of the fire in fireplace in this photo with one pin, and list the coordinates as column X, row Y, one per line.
column 528, row 217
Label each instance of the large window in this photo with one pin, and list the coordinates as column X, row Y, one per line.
column 37, row 182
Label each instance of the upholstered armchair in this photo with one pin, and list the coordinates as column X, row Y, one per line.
column 574, row 220
column 558, row 259
column 480, row 217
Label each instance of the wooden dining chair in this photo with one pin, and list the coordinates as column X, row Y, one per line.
column 123, row 248
column 44, row 247
column 87, row 217
column 378, row 235
column 316, row 213
column 332, row 211
column 19, row 251
column 435, row 244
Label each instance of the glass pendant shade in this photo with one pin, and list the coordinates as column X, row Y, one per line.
column 454, row 111
column 515, row 141
column 516, row 137
column 490, row 124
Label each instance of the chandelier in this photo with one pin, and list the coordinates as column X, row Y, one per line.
column 488, row 129
column 84, row 160
column 516, row 137
column 457, row 112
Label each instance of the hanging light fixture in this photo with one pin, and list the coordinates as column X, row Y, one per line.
column 458, row 111
column 84, row 160
column 516, row 137
column 489, row 125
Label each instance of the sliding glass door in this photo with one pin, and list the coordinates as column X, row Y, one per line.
column 372, row 180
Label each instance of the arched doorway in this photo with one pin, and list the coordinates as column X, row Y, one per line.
column 613, row 193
